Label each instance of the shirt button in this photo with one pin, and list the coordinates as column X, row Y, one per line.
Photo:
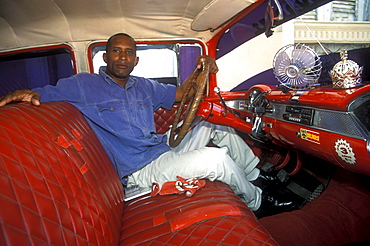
column 111, row 108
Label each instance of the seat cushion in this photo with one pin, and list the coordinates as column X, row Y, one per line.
column 213, row 215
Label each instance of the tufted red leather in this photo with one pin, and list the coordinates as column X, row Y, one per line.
column 164, row 118
column 53, row 190
column 58, row 187
column 162, row 220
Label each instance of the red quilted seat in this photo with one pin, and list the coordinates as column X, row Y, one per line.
column 214, row 215
column 164, row 118
column 58, row 187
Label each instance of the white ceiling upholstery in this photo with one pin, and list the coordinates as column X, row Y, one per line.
column 25, row 23
column 225, row 10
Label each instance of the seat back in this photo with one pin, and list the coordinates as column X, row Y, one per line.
column 58, row 186
column 164, row 118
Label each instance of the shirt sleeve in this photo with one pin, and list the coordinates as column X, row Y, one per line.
column 163, row 95
column 169, row 97
column 68, row 90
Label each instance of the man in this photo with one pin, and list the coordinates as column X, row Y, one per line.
column 119, row 107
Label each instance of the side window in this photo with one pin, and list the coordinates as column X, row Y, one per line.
column 34, row 68
column 167, row 63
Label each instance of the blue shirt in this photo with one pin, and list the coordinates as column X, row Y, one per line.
column 122, row 118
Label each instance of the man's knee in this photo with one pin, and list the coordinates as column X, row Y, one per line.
column 216, row 154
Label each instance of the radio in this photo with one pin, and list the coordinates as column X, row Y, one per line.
column 299, row 115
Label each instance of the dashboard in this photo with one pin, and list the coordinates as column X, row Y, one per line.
column 328, row 123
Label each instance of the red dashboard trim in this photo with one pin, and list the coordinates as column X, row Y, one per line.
column 324, row 97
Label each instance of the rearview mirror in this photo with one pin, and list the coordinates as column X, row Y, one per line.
column 270, row 17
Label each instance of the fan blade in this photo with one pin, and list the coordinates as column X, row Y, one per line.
column 301, row 82
column 294, row 82
column 283, row 78
column 304, row 57
column 282, row 59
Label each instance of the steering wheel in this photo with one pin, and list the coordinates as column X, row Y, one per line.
column 195, row 85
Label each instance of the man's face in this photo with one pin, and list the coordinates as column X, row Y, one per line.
column 120, row 58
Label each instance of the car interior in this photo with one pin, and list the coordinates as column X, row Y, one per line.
column 303, row 108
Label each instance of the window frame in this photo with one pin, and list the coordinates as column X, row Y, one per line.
column 42, row 49
column 203, row 47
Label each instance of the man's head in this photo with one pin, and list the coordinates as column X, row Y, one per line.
column 109, row 42
column 120, row 57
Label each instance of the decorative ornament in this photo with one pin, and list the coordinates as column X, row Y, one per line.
column 345, row 151
column 346, row 73
column 182, row 185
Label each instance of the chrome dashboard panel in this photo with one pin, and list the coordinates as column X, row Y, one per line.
column 332, row 121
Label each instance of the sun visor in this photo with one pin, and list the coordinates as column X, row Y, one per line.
column 217, row 12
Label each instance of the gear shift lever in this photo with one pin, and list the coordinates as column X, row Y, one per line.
column 217, row 91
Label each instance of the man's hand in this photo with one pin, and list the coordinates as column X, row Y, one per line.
column 213, row 69
column 23, row 95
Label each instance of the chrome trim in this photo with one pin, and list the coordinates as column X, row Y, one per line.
column 349, row 124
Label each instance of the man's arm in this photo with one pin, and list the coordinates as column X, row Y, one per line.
column 22, row 95
column 213, row 69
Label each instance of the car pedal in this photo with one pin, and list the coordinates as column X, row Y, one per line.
column 283, row 176
column 268, row 167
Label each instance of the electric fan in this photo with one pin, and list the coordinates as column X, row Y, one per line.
column 297, row 66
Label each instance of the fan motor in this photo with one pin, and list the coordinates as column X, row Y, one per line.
column 292, row 71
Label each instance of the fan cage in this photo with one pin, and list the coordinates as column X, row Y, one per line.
column 297, row 66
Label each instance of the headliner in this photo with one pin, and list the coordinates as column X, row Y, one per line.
column 25, row 23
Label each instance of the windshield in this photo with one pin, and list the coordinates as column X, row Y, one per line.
column 245, row 55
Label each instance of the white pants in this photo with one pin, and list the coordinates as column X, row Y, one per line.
column 233, row 162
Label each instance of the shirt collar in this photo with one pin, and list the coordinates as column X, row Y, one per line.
column 131, row 81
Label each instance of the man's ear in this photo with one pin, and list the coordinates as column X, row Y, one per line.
column 105, row 57
column 136, row 61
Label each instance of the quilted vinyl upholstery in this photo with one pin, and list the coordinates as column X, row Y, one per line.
column 214, row 215
column 53, row 190
column 164, row 118
column 58, row 187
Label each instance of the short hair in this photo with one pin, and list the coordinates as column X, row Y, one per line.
column 119, row 34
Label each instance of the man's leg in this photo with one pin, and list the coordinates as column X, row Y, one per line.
column 207, row 162
column 222, row 136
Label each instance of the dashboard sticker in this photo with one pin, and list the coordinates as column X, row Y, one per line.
column 310, row 136
column 345, row 151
